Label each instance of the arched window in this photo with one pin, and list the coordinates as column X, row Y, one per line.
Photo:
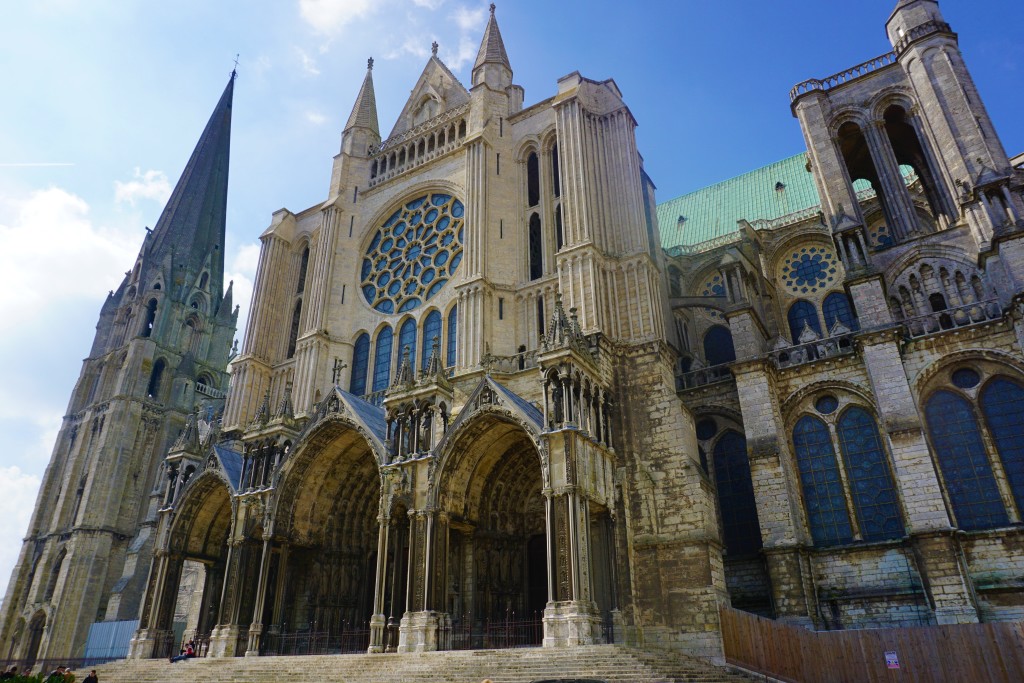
column 718, row 346
column 382, row 360
column 741, row 530
column 51, row 583
column 966, row 470
column 556, row 179
column 836, row 307
column 293, row 335
column 822, row 486
column 1002, row 404
column 303, row 266
column 360, row 363
column 155, row 378
column 532, row 180
column 147, row 327
column 559, row 237
column 803, row 314
column 407, row 339
column 453, row 326
column 431, row 330
column 536, row 248
column 203, row 280
column 871, row 485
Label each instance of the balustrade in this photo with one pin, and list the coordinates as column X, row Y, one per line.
column 829, row 347
column 952, row 318
column 429, row 140
column 843, row 77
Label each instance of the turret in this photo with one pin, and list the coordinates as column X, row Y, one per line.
column 492, row 67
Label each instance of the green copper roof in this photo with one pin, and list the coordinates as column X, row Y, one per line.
column 769, row 192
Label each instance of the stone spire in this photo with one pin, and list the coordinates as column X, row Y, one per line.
column 364, row 111
column 192, row 225
column 492, row 53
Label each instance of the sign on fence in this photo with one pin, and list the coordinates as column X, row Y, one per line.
column 892, row 660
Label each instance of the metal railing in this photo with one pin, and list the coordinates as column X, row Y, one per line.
column 509, row 631
column 351, row 638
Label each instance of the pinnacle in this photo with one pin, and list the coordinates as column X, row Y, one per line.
column 492, row 48
column 364, row 111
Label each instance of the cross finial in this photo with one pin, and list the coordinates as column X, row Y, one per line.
column 433, row 48
column 492, row 9
column 369, row 64
column 234, row 72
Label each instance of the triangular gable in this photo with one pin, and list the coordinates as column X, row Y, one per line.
column 370, row 417
column 230, row 463
column 436, row 83
column 490, row 393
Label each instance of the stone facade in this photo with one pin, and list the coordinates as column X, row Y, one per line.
column 160, row 354
column 489, row 381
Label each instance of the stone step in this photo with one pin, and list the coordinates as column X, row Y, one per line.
column 601, row 662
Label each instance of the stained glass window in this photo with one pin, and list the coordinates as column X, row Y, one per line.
column 414, row 254
column 740, row 527
column 966, row 470
column 803, row 313
column 822, row 486
column 360, row 363
column 453, row 326
column 303, row 266
column 965, row 378
column 536, row 248
column 407, row 339
column 836, row 307
column 431, row 329
column 382, row 360
column 718, row 346
column 809, row 269
column 293, row 335
column 532, row 180
column 871, row 485
column 1002, row 402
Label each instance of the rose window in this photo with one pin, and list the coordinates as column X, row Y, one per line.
column 713, row 286
column 809, row 269
column 414, row 254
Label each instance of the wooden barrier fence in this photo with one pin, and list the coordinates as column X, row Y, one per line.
column 966, row 652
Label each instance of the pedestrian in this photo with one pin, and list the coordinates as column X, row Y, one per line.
column 91, row 678
column 56, row 676
column 189, row 653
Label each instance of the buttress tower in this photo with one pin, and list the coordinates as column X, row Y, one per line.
column 160, row 352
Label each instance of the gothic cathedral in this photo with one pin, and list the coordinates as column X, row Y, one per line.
column 490, row 381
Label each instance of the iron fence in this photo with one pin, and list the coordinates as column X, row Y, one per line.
column 509, row 631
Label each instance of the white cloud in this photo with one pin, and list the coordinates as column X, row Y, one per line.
column 58, row 257
column 308, row 63
column 316, row 118
column 242, row 271
column 328, row 17
column 469, row 19
column 413, row 45
column 465, row 54
column 149, row 185
column 17, row 498
column 428, row 4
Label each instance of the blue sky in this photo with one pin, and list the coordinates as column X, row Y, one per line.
column 104, row 100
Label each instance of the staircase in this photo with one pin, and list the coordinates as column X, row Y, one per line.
column 597, row 662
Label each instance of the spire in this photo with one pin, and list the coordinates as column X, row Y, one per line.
column 492, row 49
column 364, row 112
column 191, row 227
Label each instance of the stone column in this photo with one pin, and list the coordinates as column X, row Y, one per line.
column 571, row 619
column 256, row 627
column 146, row 638
column 379, row 620
column 224, row 637
column 419, row 628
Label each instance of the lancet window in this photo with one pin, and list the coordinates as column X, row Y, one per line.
column 977, row 432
